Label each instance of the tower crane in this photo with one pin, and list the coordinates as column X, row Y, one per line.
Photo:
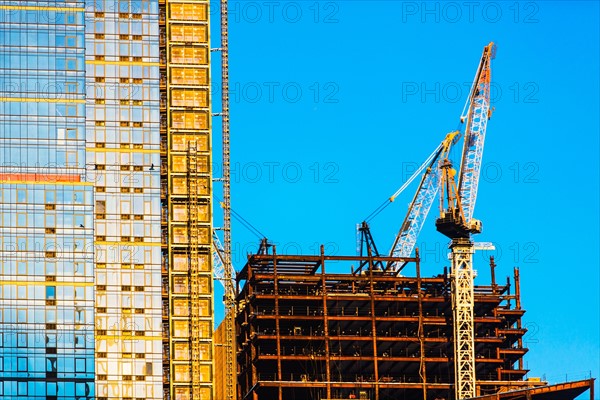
column 418, row 209
column 457, row 202
column 420, row 205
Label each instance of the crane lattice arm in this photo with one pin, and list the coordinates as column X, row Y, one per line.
column 479, row 111
column 456, row 207
column 219, row 265
column 423, row 199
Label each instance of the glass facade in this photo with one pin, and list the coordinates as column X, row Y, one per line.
column 105, row 200
column 123, row 145
column 46, row 225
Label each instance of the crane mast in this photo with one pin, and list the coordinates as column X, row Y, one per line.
column 456, row 221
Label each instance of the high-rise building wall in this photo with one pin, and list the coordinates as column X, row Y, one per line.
column 105, row 189
column 123, row 146
column 187, row 187
column 46, row 224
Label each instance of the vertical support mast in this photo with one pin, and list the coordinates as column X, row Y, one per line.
column 456, row 222
column 462, row 309
column 225, row 130
column 230, row 374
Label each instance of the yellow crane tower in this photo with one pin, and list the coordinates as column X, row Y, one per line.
column 457, row 223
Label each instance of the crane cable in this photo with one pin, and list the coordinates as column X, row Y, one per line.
column 243, row 221
column 417, row 173
column 460, row 127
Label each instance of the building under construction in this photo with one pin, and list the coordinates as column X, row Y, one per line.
column 306, row 333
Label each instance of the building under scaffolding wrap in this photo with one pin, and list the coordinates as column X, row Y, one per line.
column 186, row 188
column 305, row 333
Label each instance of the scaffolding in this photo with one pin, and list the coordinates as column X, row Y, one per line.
column 186, row 182
column 194, row 253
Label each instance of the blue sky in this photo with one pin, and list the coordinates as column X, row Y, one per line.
column 334, row 103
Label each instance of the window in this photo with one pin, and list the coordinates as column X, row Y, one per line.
column 50, row 196
column 180, row 262
column 50, row 292
column 205, row 373
column 181, row 328
column 189, row 98
column 101, row 206
column 180, row 308
column 180, row 235
column 180, row 213
column 71, row 110
column 21, row 219
column 205, row 330
column 71, row 159
column 21, row 267
column 50, row 339
column 71, row 64
column 21, row 195
column 71, row 133
column 182, row 373
column 204, row 264
column 22, row 388
column 78, row 197
column 189, row 120
column 71, row 87
column 79, row 340
column 189, row 76
column 50, row 220
column 181, row 351
column 21, row 364
column 71, row 41
column 189, row 55
column 189, row 33
column 205, row 353
column 51, row 388
column 79, row 220
column 188, row 12
column 21, row 340
column 70, row 18
column 80, row 365
column 204, row 307
column 180, row 284
column 51, row 364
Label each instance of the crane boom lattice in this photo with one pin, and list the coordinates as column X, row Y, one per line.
column 422, row 201
column 477, row 117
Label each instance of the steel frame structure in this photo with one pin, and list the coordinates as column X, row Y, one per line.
column 308, row 333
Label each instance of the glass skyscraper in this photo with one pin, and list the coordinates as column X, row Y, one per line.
column 105, row 207
column 47, row 254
